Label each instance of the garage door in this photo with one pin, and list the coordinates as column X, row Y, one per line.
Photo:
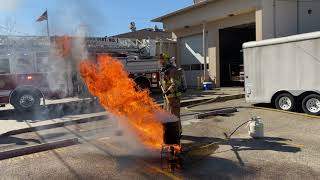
column 191, row 58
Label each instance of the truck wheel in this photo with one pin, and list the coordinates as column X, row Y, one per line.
column 142, row 84
column 26, row 100
column 311, row 104
column 285, row 102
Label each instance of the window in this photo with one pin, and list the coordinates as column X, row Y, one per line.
column 3, row 44
column 4, row 66
column 195, row 67
column 42, row 54
column 203, row 66
column 185, row 67
column 43, row 63
column 24, row 65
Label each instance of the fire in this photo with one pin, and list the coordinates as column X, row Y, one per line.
column 63, row 46
column 116, row 92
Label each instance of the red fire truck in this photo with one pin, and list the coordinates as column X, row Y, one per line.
column 28, row 73
column 25, row 71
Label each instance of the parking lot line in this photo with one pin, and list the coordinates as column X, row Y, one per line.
column 292, row 144
column 287, row 112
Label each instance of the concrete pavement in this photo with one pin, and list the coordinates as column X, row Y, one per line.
column 75, row 109
column 289, row 151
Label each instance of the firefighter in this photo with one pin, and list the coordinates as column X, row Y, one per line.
column 169, row 81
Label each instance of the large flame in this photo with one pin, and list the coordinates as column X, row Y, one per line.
column 110, row 83
column 63, row 46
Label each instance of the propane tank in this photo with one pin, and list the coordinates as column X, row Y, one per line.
column 255, row 127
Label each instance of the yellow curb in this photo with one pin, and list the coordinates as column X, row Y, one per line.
column 288, row 112
column 292, row 144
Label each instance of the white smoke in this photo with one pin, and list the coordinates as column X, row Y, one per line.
column 78, row 21
column 78, row 14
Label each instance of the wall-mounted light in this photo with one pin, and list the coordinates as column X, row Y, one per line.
column 309, row 11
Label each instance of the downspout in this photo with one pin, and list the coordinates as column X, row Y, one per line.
column 298, row 16
column 274, row 20
column 204, row 46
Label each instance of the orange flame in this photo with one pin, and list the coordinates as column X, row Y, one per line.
column 63, row 46
column 110, row 83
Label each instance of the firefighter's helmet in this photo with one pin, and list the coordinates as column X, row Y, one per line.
column 164, row 56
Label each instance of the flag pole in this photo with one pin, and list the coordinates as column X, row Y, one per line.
column 48, row 24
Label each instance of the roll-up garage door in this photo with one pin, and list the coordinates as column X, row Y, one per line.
column 191, row 58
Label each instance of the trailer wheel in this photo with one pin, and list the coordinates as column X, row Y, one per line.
column 25, row 100
column 285, row 101
column 311, row 104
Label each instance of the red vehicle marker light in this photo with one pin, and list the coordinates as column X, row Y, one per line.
column 154, row 75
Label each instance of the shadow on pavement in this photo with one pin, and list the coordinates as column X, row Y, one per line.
column 264, row 105
column 244, row 144
column 217, row 168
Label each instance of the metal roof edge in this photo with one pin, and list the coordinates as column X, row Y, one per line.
column 183, row 10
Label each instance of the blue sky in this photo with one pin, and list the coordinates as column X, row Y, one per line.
column 102, row 17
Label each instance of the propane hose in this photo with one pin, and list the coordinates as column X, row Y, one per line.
column 228, row 136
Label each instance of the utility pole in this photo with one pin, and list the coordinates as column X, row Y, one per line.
column 48, row 24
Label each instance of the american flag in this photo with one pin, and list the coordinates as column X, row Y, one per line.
column 43, row 17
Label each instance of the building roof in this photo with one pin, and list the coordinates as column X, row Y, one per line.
column 146, row 34
column 184, row 10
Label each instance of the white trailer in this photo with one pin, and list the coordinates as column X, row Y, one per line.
column 284, row 72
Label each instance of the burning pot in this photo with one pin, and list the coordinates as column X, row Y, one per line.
column 171, row 147
column 171, row 133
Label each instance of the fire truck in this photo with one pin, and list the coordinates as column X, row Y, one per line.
column 139, row 57
column 25, row 71
column 29, row 72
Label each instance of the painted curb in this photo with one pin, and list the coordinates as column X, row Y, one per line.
column 54, row 125
column 37, row 148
